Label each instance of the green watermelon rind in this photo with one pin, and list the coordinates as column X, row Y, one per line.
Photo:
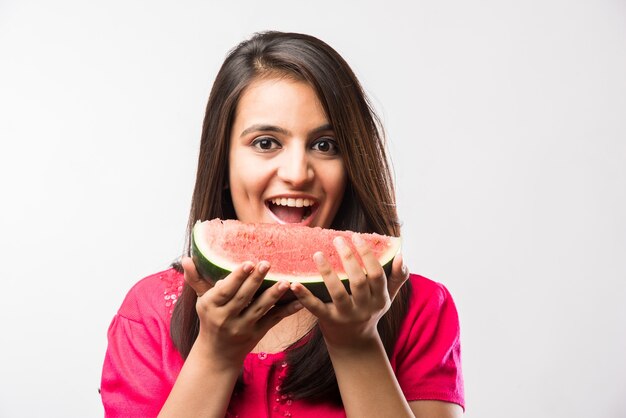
column 218, row 269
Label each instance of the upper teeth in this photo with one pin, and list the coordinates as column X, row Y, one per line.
column 297, row 203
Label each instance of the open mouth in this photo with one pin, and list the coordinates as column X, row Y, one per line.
column 292, row 210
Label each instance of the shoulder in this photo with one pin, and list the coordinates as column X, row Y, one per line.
column 427, row 354
column 141, row 362
column 154, row 295
column 425, row 292
column 431, row 312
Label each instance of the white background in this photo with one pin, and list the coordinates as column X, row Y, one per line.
column 507, row 129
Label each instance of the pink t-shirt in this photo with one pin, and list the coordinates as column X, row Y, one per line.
column 141, row 363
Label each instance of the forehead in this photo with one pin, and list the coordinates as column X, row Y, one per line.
column 279, row 99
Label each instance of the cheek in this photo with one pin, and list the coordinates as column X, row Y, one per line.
column 337, row 179
column 246, row 181
column 245, row 192
column 243, row 187
column 239, row 171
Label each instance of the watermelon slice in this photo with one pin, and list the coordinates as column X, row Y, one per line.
column 219, row 246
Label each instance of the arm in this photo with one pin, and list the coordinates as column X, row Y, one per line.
column 230, row 326
column 436, row 409
column 369, row 387
column 366, row 380
column 203, row 387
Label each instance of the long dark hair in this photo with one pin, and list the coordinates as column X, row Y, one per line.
column 367, row 206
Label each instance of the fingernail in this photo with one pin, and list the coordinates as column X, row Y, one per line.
column 283, row 285
column 357, row 240
column 340, row 242
column 318, row 257
column 264, row 266
column 247, row 266
column 297, row 306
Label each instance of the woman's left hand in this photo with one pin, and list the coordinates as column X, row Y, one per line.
column 351, row 319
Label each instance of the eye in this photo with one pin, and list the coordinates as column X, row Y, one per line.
column 265, row 143
column 326, row 145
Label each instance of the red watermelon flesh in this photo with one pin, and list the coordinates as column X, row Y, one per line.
column 288, row 248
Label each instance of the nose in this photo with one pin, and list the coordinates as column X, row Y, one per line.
column 296, row 168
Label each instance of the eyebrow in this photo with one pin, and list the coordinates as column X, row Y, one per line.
column 277, row 129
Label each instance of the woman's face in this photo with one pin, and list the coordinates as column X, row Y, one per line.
column 284, row 161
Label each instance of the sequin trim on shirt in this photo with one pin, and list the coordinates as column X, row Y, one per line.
column 173, row 284
column 282, row 401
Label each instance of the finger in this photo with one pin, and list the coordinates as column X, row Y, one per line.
column 399, row 275
column 309, row 301
column 375, row 273
column 277, row 313
column 193, row 278
column 359, row 286
column 225, row 289
column 336, row 289
column 266, row 300
column 243, row 296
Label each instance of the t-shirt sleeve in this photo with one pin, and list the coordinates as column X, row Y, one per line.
column 140, row 364
column 427, row 357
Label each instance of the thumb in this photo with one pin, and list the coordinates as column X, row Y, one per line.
column 399, row 275
column 193, row 279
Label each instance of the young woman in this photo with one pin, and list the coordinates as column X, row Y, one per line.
column 288, row 137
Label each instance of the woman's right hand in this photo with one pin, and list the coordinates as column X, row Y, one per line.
column 231, row 321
